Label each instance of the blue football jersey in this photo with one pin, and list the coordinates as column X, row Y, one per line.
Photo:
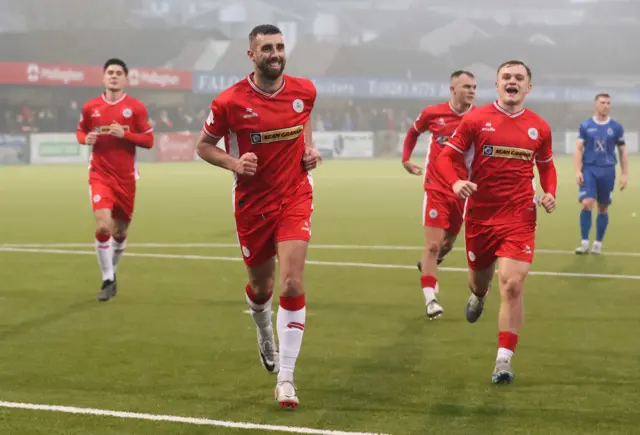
column 600, row 141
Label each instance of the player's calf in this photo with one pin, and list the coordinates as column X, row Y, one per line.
column 104, row 253
column 511, row 275
column 434, row 241
column 479, row 284
column 292, row 310
column 259, row 295
column 586, row 220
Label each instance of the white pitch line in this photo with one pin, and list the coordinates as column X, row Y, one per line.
column 311, row 262
column 177, row 419
column 311, row 246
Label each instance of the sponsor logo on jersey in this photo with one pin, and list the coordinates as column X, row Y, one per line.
column 507, row 152
column 442, row 140
column 104, row 129
column 276, row 135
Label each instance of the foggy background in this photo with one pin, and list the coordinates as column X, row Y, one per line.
column 376, row 63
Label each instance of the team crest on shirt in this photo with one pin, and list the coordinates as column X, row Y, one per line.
column 127, row 113
column 533, row 133
column 610, row 131
column 298, row 105
column 276, row 135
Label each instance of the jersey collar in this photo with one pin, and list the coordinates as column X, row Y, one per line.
column 453, row 109
column 260, row 91
column 605, row 122
column 113, row 103
column 510, row 115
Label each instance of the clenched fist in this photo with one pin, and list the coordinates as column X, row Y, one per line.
column 246, row 165
column 412, row 168
column 311, row 159
column 464, row 188
column 91, row 138
column 548, row 202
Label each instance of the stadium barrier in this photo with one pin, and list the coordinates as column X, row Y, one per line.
column 62, row 148
column 14, row 149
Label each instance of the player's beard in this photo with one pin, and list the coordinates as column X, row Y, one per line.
column 270, row 73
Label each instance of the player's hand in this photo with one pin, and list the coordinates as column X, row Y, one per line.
column 548, row 202
column 623, row 181
column 464, row 188
column 246, row 165
column 311, row 158
column 116, row 130
column 412, row 168
column 579, row 178
column 91, row 138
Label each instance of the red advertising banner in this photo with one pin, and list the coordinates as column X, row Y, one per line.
column 41, row 74
column 175, row 147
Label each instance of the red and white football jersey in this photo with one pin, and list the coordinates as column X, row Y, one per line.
column 272, row 127
column 501, row 150
column 112, row 157
column 441, row 120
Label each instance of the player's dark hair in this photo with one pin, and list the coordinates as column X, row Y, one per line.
column 264, row 29
column 516, row 62
column 461, row 72
column 117, row 62
column 602, row 95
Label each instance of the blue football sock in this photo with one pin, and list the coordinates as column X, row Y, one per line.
column 602, row 221
column 585, row 223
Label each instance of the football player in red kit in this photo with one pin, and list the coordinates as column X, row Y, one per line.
column 113, row 124
column 501, row 143
column 265, row 122
column 442, row 210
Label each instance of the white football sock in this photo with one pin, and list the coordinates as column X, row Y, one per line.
column 118, row 250
column 105, row 259
column 261, row 314
column 290, row 332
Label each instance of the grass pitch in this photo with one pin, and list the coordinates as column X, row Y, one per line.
column 176, row 339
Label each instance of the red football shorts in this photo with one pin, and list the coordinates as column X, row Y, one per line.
column 440, row 210
column 119, row 198
column 258, row 234
column 485, row 243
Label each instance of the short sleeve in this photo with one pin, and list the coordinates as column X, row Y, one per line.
column 620, row 141
column 582, row 132
column 464, row 136
column 422, row 121
column 217, row 124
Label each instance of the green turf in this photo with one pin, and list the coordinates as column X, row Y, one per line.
column 176, row 339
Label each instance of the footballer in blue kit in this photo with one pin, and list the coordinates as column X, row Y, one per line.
column 595, row 162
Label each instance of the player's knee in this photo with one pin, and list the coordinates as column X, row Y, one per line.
column 603, row 208
column 588, row 203
column 511, row 285
column 432, row 249
column 119, row 233
column 262, row 288
column 103, row 227
column 447, row 246
column 291, row 286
